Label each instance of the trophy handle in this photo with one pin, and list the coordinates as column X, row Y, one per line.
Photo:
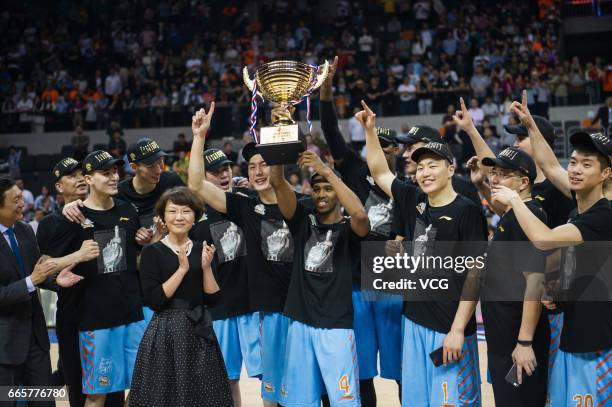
column 322, row 76
column 250, row 83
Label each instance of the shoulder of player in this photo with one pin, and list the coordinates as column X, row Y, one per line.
column 170, row 179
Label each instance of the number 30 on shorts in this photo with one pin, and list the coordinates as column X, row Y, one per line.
column 583, row 400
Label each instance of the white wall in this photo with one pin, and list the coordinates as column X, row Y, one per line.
column 50, row 143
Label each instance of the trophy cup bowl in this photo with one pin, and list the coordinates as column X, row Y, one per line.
column 285, row 83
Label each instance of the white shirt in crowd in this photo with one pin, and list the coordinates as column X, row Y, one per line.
column 356, row 130
column 112, row 85
column 406, row 92
column 477, row 115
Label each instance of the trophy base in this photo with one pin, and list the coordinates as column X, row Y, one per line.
column 281, row 153
column 281, row 144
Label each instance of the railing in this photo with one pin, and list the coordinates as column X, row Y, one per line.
column 586, row 8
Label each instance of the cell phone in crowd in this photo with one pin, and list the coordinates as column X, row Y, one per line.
column 512, row 377
column 437, row 356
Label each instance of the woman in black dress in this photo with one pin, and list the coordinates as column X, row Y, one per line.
column 179, row 361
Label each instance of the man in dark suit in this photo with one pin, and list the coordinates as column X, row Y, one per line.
column 24, row 344
column 604, row 114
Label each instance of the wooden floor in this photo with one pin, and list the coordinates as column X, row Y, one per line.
column 386, row 390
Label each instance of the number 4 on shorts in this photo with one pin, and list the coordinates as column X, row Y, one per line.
column 345, row 386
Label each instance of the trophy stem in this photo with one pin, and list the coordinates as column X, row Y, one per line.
column 281, row 115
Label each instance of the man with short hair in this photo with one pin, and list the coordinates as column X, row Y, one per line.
column 440, row 215
column 110, row 303
column 321, row 355
column 70, row 184
column 581, row 372
column 235, row 323
column 24, row 343
column 517, row 330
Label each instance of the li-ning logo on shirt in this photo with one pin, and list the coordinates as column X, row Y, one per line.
column 123, row 219
column 444, row 217
column 511, row 154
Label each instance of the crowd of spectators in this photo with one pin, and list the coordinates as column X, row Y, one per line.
column 69, row 64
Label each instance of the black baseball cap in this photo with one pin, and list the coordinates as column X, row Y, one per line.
column 386, row 136
column 249, row 150
column 315, row 178
column 145, row 151
column 420, row 134
column 598, row 141
column 99, row 160
column 215, row 158
column 433, row 147
column 542, row 123
column 65, row 166
column 512, row 158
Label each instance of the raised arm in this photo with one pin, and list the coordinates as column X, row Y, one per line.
column 351, row 203
column 375, row 156
column 210, row 193
column 285, row 195
column 543, row 155
column 329, row 118
column 541, row 235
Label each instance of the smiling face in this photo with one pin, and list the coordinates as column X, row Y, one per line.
column 410, row 167
column 151, row 173
column 259, row 173
column 104, row 181
column 72, row 185
column 433, row 173
column 586, row 170
column 508, row 178
column 221, row 177
column 11, row 208
column 179, row 219
column 325, row 198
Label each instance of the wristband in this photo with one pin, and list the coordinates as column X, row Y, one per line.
column 524, row 343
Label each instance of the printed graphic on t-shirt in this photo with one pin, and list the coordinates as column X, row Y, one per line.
column 229, row 241
column 380, row 213
column 424, row 238
column 319, row 251
column 276, row 240
column 569, row 267
column 112, row 243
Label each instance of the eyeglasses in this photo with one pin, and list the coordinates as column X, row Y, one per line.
column 504, row 175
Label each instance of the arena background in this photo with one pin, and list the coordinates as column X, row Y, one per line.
column 125, row 69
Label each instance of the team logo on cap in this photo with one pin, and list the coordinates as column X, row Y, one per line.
column 414, row 130
column 132, row 156
column 149, row 148
column 57, row 173
column 215, row 156
column 88, row 167
column 434, row 145
column 508, row 153
column 382, row 131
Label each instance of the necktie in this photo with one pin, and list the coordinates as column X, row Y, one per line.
column 16, row 252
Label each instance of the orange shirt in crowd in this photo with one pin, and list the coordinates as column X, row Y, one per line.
column 607, row 82
column 54, row 94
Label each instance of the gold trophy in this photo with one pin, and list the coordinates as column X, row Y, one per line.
column 284, row 83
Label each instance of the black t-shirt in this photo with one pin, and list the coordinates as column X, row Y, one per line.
column 556, row 205
column 270, row 247
column 145, row 203
column 378, row 206
column 321, row 281
column 459, row 221
column 159, row 263
column 587, row 325
column 111, row 294
column 403, row 221
column 229, row 264
column 504, row 279
column 67, row 298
